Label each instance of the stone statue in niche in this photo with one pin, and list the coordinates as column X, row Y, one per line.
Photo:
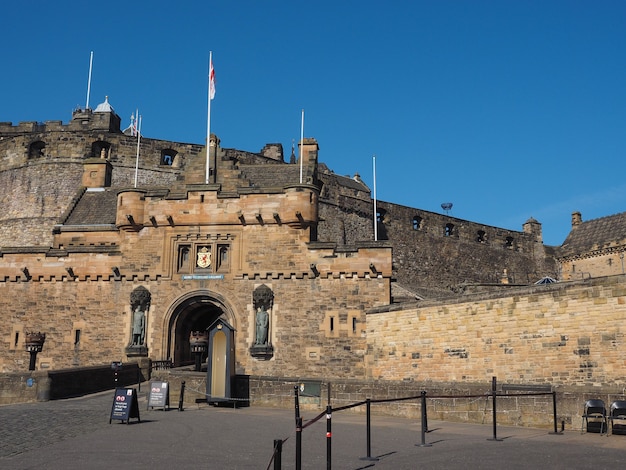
column 263, row 298
column 140, row 303
column 139, row 326
column 262, row 324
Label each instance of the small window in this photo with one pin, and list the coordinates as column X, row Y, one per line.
column 332, row 323
column 508, row 243
column 448, row 230
column 481, row 236
column 168, row 156
column 353, row 325
column 417, row 222
column 36, row 149
column 17, row 337
column 101, row 149
column 76, row 337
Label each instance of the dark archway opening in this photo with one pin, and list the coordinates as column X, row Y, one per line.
column 194, row 314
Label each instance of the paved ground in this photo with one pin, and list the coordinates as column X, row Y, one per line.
column 76, row 433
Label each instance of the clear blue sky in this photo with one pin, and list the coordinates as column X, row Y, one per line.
column 508, row 109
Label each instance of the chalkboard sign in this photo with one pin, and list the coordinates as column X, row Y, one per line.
column 125, row 405
column 159, row 395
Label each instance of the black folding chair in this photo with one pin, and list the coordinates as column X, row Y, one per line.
column 596, row 411
column 617, row 411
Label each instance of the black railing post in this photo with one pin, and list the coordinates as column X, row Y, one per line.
column 278, row 451
column 554, row 414
column 424, row 419
column 368, row 430
column 298, row 443
column 329, row 437
column 298, row 429
column 493, row 397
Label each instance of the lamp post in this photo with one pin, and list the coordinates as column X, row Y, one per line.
column 199, row 343
column 34, row 345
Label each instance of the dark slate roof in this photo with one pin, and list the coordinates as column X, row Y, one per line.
column 94, row 208
column 596, row 234
column 270, row 176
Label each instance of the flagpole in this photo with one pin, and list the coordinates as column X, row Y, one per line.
column 208, row 122
column 89, row 80
column 138, row 118
column 375, row 209
column 301, row 143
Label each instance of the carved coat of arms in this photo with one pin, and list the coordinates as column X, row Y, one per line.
column 204, row 258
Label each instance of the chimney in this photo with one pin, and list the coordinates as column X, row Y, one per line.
column 577, row 219
column 308, row 150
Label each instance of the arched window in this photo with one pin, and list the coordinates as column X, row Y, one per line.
column 417, row 222
column 508, row 242
column 167, row 157
column 101, row 149
column 35, row 150
column 448, row 230
column 481, row 236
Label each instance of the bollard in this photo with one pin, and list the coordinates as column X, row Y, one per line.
column 278, row 454
column 182, row 396
column 424, row 420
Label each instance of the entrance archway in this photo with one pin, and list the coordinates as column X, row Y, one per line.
column 195, row 311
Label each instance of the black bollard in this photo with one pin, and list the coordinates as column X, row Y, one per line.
column 182, row 396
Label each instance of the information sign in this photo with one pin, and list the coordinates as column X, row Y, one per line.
column 159, row 395
column 125, row 405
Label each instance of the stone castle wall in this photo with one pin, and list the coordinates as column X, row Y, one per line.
column 301, row 333
column 437, row 250
column 565, row 335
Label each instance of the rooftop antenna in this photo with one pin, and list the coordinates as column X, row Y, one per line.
column 446, row 206
column 89, row 80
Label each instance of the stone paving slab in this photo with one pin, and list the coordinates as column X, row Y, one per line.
column 76, row 433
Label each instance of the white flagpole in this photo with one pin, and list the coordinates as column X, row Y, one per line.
column 208, row 122
column 89, row 80
column 375, row 209
column 138, row 118
column 301, row 144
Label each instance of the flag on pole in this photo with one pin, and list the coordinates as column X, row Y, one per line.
column 211, row 81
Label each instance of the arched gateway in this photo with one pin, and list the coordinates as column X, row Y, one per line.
column 194, row 311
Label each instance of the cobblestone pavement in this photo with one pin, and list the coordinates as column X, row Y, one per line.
column 76, row 433
column 30, row 426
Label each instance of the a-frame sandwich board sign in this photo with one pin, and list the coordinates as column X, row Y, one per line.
column 125, row 405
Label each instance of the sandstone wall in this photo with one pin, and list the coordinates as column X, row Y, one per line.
column 561, row 335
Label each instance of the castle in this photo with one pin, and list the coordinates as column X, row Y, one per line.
column 265, row 265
